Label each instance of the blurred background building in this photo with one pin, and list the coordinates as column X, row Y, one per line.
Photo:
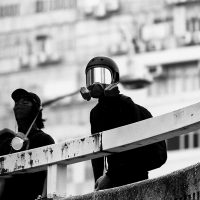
column 46, row 44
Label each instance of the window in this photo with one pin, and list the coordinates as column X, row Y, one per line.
column 40, row 6
column 187, row 141
column 9, row 10
column 10, row 45
column 196, row 140
column 193, row 24
column 173, row 143
column 50, row 5
column 180, row 77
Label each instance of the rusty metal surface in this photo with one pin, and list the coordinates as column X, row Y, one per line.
column 120, row 139
column 37, row 159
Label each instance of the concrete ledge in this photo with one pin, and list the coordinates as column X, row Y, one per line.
column 180, row 185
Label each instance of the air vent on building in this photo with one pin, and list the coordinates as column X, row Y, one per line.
column 100, row 11
column 112, row 6
column 138, row 77
column 118, row 49
column 157, row 71
column 88, row 11
column 47, row 60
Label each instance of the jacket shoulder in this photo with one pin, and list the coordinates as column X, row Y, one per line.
column 142, row 110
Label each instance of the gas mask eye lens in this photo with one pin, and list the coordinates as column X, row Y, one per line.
column 100, row 75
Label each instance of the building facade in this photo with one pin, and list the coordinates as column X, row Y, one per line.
column 46, row 44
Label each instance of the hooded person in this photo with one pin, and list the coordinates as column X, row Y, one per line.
column 28, row 114
column 114, row 110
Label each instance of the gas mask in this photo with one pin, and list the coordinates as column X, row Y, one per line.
column 99, row 83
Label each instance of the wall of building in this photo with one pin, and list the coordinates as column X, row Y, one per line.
column 45, row 46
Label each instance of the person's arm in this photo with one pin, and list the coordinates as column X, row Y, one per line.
column 6, row 136
column 97, row 163
column 155, row 154
column 98, row 167
column 150, row 156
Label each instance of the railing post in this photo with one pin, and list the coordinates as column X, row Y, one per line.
column 56, row 181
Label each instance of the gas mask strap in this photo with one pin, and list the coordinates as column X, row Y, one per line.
column 111, row 90
column 28, row 131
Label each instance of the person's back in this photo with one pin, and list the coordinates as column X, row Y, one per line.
column 133, row 165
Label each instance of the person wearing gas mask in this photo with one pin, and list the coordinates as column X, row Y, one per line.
column 114, row 110
column 28, row 113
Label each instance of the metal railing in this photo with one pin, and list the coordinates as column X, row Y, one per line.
column 55, row 158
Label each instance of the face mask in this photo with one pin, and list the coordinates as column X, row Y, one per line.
column 96, row 90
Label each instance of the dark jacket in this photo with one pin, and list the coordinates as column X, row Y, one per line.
column 29, row 185
column 133, row 165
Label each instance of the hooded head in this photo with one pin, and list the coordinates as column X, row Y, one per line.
column 103, row 70
column 30, row 108
column 102, row 77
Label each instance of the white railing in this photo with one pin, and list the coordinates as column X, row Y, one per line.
column 55, row 158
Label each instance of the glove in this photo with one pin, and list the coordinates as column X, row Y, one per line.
column 103, row 182
column 111, row 90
